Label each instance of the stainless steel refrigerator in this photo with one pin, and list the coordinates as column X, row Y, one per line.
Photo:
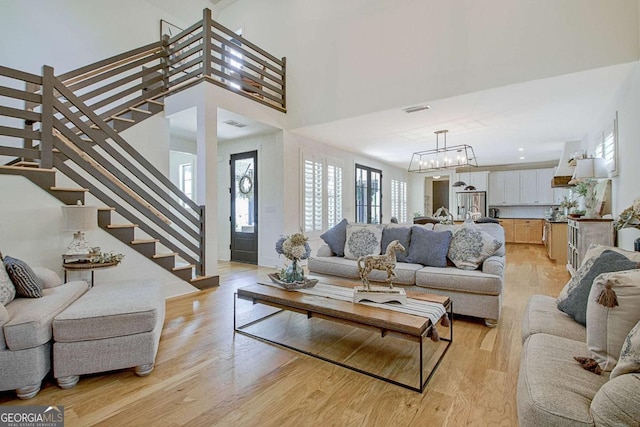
column 471, row 202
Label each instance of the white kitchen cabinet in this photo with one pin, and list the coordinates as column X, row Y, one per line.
column 535, row 187
column 504, row 188
column 480, row 180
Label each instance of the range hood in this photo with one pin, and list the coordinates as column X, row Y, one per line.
column 564, row 171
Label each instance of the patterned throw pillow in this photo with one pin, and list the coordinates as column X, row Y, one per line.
column 362, row 240
column 577, row 295
column 336, row 237
column 629, row 360
column 429, row 247
column 25, row 280
column 7, row 289
column 470, row 247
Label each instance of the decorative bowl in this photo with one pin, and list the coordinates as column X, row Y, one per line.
column 292, row 286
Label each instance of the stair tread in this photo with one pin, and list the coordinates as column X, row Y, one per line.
column 143, row 241
column 80, row 190
column 153, row 101
column 198, row 278
column 165, row 255
column 123, row 119
column 140, row 110
column 122, row 225
column 22, row 168
column 106, row 208
column 27, row 164
column 183, row 267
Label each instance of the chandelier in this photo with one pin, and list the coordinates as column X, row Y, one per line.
column 443, row 157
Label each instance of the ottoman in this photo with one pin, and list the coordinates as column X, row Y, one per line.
column 112, row 326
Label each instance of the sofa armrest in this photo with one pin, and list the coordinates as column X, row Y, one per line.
column 494, row 265
column 324, row 251
column 616, row 402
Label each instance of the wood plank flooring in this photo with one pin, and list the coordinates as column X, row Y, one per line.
column 206, row 375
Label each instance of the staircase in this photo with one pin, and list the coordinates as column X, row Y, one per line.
column 71, row 124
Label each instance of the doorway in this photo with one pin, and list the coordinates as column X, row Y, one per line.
column 244, row 207
column 440, row 194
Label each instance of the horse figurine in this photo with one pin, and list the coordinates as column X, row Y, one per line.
column 386, row 262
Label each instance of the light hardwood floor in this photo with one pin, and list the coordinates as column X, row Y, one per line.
column 206, row 375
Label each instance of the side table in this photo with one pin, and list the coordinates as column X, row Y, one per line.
column 85, row 266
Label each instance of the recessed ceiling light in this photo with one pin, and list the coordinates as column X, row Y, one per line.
column 416, row 108
column 521, row 157
column 520, row 149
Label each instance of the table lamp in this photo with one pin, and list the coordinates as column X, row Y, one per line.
column 588, row 171
column 79, row 218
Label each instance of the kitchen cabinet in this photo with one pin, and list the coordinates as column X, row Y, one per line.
column 583, row 232
column 535, row 187
column 504, row 188
column 555, row 241
column 480, row 180
column 528, row 231
column 509, row 229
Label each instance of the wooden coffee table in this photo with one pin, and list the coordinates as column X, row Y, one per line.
column 373, row 317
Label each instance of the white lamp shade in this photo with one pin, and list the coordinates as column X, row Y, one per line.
column 591, row 168
column 79, row 218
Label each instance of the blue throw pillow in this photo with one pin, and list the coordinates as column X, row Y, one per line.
column 429, row 247
column 336, row 237
column 575, row 303
column 401, row 234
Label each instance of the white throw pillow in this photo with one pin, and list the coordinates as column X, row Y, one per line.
column 608, row 327
column 362, row 240
column 629, row 360
column 470, row 246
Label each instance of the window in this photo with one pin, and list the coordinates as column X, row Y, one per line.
column 606, row 145
column 399, row 200
column 368, row 195
column 186, row 179
column 322, row 194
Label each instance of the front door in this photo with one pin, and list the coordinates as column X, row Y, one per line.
column 244, row 207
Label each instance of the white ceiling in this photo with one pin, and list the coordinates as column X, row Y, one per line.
column 537, row 116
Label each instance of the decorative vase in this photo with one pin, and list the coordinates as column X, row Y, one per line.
column 636, row 245
column 293, row 273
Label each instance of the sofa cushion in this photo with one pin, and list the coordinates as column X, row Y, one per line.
column 470, row 246
column 629, row 360
column 616, row 403
column 363, row 240
column 454, row 279
column 31, row 319
column 573, row 299
column 25, row 280
column 608, row 327
column 47, row 277
column 342, row 267
column 402, row 234
column 429, row 247
column 541, row 316
column 552, row 388
column 7, row 289
column 110, row 310
column 336, row 237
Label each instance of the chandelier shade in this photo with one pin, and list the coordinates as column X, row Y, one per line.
column 445, row 157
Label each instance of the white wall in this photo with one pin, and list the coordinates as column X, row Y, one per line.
column 347, row 58
column 624, row 186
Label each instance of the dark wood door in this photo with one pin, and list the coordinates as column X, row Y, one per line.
column 244, row 207
column 440, row 195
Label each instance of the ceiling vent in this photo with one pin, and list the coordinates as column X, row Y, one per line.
column 416, row 108
column 234, row 123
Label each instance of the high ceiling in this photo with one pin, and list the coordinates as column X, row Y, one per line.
column 536, row 116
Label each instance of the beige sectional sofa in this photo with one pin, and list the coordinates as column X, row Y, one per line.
column 553, row 387
column 26, row 333
column 476, row 293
